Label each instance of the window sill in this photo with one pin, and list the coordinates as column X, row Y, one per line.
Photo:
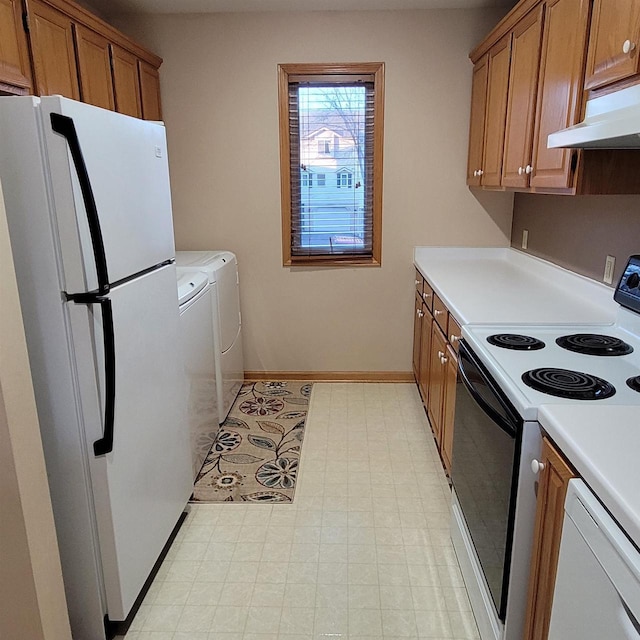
column 331, row 261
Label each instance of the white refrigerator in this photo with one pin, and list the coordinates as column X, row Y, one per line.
column 89, row 209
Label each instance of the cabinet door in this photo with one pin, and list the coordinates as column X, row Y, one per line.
column 94, row 67
column 552, row 489
column 425, row 353
column 417, row 336
column 559, row 89
column 126, row 82
column 476, row 124
column 436, row 380
column 448, row 409
column 523, row 82
column 54, row 56
column 613, row 46
column 497, row 87
column 150, row 91
column 15, row 74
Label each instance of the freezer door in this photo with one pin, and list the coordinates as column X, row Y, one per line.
column 126, row 164
column 141, row 487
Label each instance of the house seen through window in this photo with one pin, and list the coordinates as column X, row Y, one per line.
column 332, row 162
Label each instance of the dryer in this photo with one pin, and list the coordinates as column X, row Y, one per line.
column 221, row 268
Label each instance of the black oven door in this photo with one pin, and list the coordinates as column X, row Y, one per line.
column 486, row 453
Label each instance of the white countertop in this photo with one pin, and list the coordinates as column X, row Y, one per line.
column 603, row 444
column 504, row 286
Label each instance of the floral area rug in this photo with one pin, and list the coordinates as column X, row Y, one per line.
column 255, row 455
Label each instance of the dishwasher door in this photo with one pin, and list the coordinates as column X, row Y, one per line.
column 597, row 592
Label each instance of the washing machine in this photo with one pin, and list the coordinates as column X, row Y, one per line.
column 198, row 346
column 221, row 268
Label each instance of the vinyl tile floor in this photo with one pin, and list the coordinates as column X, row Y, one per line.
column 363, row 552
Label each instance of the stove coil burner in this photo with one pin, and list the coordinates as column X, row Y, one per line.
column 565, row 383
column 515, row 342
column 593, row 344
column 634, row 383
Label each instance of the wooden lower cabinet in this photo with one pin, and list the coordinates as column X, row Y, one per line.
column 435, row 365
column 448, row 408
column 552, row 489
column 15, row 70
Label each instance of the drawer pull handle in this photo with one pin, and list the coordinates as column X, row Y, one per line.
column 420, row 313
column 453, row 338
column 438, row 312
column 443, row 360
column 426, row 296
column 417, row 282
column 628, row 46
column 537, row 466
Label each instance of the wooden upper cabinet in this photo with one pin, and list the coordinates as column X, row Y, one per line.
column 94, row 68
column 15, row 71
column 53, row 50
column 521, row 103
column 150, row 91
column 126, row 82
column 559, row 89
column 496, row 110
column 552, row 490
column 476, row 124
column 614, row 42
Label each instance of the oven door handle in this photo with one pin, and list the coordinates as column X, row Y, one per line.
column 501, row 421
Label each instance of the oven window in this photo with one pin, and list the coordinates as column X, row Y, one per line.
column 483, row 475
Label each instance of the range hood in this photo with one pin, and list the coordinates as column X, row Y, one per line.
column 611, row 121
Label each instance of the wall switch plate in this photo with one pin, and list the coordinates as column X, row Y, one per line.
column 525, row 238
column 609, row 266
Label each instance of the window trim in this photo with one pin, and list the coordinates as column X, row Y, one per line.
column 376, row 69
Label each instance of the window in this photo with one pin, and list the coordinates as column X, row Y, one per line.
column 345, row 179
column 331, row 125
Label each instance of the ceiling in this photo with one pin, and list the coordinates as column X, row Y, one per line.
column 109, row 8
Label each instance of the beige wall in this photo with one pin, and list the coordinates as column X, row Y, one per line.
column 32, row 600
column 220, row 106
column 579, row 232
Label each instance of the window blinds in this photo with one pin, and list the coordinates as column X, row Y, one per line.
column 331, row 134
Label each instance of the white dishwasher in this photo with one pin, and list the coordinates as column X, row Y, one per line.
column 194, row 299
column 597, row 592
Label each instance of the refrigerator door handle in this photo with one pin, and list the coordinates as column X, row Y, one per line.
column 66, row 128
column 105, row 444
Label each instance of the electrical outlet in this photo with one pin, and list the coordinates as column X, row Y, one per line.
column 525, row 238
column 609, row 265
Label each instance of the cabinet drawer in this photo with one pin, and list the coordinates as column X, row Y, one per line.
column 419, row 283
column 454, row 333
column 427, row 295
column 440, row 313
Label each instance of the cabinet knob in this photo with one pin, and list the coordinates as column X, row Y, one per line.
column 536, row 466
column 443, row 359
column 475, row 173
column 628, row 46
column 520, row 170
column 453, row 338
column 528, row 169
column 420, row 313
column 440, row 354
column 480, row 172
column 438, row 312
column 417, row 282
column 426, row 296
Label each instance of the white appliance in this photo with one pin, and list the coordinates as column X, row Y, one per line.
column 222, row 269
column 194, row 298
column 597, row 592
column 505, row 374
column 89, row 209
